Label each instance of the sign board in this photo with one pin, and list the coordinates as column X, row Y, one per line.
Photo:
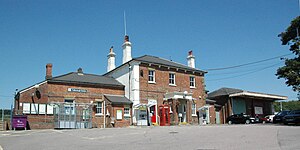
column 77, row 90
column 34, row 108
column 26, row 108
column 152, row 102
column 49, row 109
column 42, row 109
column 258, row 110
column 119, row 114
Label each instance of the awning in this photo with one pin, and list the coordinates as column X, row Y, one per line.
column 179, row 95
column 259, row 95
column 204, row 107
column 118, row 99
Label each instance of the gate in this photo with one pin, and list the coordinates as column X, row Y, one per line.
column 72, row 115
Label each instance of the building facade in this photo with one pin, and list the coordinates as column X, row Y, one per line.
column 151, row 82
column 74, row 100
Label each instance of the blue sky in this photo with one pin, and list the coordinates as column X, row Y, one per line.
column 73, row 34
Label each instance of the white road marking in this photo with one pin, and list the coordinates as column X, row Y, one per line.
column 1, row 147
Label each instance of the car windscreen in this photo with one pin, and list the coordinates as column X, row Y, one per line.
column 282, row 113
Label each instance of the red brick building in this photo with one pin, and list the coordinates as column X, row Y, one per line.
column 154, row 83
column 74, row 100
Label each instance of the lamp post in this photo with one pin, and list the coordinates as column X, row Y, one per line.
column 12, row 109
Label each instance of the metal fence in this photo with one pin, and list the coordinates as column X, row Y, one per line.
column 72, row 115
column 5, row 114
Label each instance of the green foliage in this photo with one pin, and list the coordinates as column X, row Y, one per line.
column 289, row 105
column 291, row 71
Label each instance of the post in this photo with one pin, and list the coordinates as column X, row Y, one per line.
column 2, row 119
column 104, row 114
column 11, row 116
column 280, row 106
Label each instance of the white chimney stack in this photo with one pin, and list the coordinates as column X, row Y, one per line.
column 191, row 59
column 111, row 60
column 126, row 50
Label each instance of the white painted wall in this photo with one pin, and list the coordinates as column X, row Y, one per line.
column 135, row 83
column 132, row 90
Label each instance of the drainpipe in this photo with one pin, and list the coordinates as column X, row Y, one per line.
column 104, row 115
column 129, row 80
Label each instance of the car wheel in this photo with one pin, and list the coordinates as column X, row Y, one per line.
column 229, row 122
column 247, row 121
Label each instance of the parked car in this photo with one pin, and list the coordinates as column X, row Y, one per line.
column 269, row 118
column 292, row 117
column 278, row 117
column 239, row 118
column 259, row 119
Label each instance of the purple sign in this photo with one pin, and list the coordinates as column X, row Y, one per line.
column 19, row 121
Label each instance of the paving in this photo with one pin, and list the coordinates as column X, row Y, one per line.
column 211, row 137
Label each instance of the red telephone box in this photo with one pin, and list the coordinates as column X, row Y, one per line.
column 164, row 115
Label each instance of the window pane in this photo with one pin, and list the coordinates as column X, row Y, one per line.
column 99, row 108
column 192, row 81
column 171, row 78
column 151, row 76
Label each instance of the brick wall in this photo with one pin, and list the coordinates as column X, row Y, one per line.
column 51, row 92
column 161, row 86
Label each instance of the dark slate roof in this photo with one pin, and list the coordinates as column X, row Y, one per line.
column 118, row 99
column 223, row 92
column 82, row 78
column 164, row 62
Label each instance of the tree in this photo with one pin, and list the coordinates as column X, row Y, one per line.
column 290, row 105
column 291, row 71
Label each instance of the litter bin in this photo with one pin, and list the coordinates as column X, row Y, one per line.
column 19, row 121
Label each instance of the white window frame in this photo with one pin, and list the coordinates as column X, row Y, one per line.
column 193, row 81
column 194, row 109
column 126, row 114
column 172, row 79
column 153, row 76
column 99, row 107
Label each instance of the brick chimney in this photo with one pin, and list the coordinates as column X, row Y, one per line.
column 191, row 59
column 126, row 49
column 48, row 71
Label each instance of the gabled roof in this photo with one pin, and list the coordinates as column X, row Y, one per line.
column 159, row 61
column 230, row 92
column 82, row 78
column 117, row 99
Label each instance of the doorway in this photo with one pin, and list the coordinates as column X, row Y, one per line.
column 182, row 111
